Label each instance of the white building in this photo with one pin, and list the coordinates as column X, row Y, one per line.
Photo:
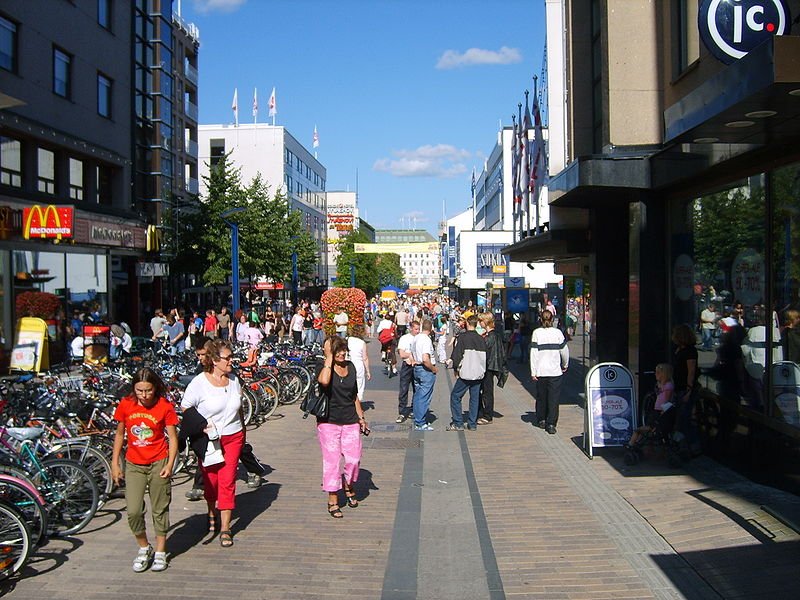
column 422, row 270
column 284, row 164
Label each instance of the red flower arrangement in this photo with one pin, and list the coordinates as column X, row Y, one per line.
column 37, row 304
column 353, row 300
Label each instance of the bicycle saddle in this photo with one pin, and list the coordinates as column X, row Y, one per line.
column 25, row 433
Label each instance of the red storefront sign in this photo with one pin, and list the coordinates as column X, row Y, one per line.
column 47, row 222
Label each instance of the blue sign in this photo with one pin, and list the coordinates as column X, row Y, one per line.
column 490, row 260
column 517, row 300
column 579, row 287
column 732, row 29
column 451, row 251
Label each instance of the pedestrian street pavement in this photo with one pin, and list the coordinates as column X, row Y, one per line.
column 507, row 511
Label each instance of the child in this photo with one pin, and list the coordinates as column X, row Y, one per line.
column 144, row 418
column 664, row 390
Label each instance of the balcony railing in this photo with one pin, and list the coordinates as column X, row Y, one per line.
column 191, row 111
column 190, row 72
column 191, row 148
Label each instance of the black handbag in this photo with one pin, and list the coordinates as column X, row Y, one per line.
column 315, row 403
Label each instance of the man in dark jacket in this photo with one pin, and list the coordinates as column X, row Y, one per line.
column 469, row 362
column 495, row 366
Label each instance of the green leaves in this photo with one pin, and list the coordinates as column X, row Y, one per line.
column 268, row 232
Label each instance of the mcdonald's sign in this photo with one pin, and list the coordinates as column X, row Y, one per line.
column 153, row 239
column 47, row 222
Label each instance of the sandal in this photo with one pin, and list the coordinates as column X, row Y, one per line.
column 335, row 511
column 211, row 520
column 352, row 502
column 226, row 538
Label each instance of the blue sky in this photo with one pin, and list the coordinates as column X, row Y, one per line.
column 407, row 95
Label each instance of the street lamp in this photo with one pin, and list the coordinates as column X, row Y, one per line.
column 224, row 215
column 352, row 275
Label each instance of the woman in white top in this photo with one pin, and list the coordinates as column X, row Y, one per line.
column 216, row 395
column 357, row 350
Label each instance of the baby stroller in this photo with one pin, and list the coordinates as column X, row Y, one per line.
column 658, row 431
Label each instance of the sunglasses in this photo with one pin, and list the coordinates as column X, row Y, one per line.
column 229, row 357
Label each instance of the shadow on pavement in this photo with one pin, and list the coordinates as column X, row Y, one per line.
column 754, row 571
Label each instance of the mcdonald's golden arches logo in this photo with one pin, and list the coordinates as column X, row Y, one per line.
column 47, row 222
column 153, row 241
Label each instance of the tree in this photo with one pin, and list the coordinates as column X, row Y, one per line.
column 372, row 270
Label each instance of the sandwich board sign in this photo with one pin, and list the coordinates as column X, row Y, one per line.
column 786, row 391
column 610, row 415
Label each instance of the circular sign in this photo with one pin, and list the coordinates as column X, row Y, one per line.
column 683, row 277
column 731, row 28
column 747, row 277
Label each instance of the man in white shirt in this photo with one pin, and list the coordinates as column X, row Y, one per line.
column 341, row 320
column 424, row 375
column 406, row 371
column 401, row 320
column 708, row 322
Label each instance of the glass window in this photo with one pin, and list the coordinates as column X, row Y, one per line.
column 718, row 288
column 10, row 162
column 8, row 45
column 103, row 96
column 46, row 171
column 687, row 34
column 62, row 66
column 75, row 179
column 785, row 282
column 104, row 176
column 88, row 282
column 104, row 13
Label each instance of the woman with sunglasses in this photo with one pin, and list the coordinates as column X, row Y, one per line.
column 339, row 433
column 216, row 395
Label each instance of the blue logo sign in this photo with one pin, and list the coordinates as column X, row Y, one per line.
column 731, row 28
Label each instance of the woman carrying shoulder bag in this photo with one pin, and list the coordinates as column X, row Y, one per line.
column 340, row 431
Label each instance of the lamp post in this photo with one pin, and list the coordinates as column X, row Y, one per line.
column 352, row 275
column 234, row 254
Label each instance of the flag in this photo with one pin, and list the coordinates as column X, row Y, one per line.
column 255, row 103
column 273, row 104
column 538, row 154
column 315, row 142
column 514, row 165
column 525, row 177
column 235, row 106
column 472, row 185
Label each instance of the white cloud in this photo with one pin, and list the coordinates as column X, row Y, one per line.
column 207, row 6
column 417, row 215
column 441, row 161
column 452, row 59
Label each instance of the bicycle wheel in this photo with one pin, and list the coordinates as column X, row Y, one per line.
column 305, row 376
column 95, row 462
column 28, row 504
column 15, row 541
column 267, row 400
column 291, row 387
column 248, row 405
column 72, row 491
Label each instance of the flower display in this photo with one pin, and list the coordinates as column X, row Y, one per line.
column 353, row 300
column 37, row 304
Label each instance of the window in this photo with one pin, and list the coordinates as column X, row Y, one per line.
column 687, row 47
column 75, row 179
column 10, row 162
column 104, row 13
column 103, row 96
column 62, row 67
column 46, row 171
column 104, row 185
column 8, row 45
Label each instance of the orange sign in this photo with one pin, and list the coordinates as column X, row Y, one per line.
column 47, row 222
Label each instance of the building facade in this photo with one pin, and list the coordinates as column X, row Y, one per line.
column 343, row 218
column 283, row 163
column 681, row 155
column 422, row 270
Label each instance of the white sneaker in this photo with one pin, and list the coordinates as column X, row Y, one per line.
column 143, row 559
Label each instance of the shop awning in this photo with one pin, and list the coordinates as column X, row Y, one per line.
column 755, row 100
column 550, row 246
column 593, row 180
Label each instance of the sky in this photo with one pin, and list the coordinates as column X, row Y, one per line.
column 407, row 95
